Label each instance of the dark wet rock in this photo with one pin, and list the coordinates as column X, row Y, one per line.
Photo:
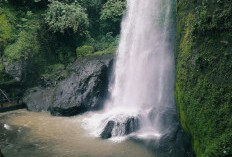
column 38, row 99
column 1, row 155
column 120, row 128
column 85, row 88
column 176, row 144
column 25, row 72
column 107, row 133
column 15, row 69
column 131, row 125
column 173, row 142
column 167, row 118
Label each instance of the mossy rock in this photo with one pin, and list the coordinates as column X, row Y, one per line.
column 204, row 81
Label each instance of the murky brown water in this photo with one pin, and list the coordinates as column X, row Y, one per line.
column 41, row 135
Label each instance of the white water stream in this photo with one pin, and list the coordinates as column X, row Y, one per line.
column 143, row 76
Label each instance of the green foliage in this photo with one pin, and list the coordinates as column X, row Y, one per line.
column 104, row 42
column 27, row 45
column 111, row 15
column 65, row 55
column 210, row 19
column 84, row 51
column 62, row 17
column 53, row 74
column 204, row 83
column 110, row 50
column 91, row 5
column 108, row 45
column 1, row 66
column 47, row 32
column 5, row 30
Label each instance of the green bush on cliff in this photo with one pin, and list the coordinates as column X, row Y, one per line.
column 27, row 45
column 53, row 74
column 62, row 17
column 107, row 45
column 204, row 81
column 104, row 44
column 111, row 15
column 84, row 51
column 5, row 31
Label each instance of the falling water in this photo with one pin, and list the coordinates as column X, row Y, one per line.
column 143, row 76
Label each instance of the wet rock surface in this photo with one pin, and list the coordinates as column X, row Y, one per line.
column 1, row 155
column 84, row 88
column 107, row 132
column 38, row 99
column 174, row 143
column 120, row 128
column 15, row 69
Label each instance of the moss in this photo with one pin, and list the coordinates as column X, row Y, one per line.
column 25, row 47
column 204, row 81
column 84, row 51
column 53, row 74
column 109, row 50
column 5, row 29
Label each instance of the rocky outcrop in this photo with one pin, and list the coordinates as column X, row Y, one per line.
column 84, row 88
column 1, row 155
column 107, row 132
column 38, row 99
column 120, row 127
column 174, row 143
column 15, row 69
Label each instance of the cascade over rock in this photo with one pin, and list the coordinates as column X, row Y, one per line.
column 141, row 102
column 143, row 74
column 120, row 128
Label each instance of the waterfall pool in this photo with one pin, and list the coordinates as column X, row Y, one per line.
column 29, row 134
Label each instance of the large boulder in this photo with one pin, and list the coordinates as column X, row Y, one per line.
column 107, row 132
column 24, row 72
column 85, row 88
column 120, row 127
column 38, row 99
column 15, row 69
column 1, row 155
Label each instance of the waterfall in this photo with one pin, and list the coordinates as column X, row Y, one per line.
column 141, row 93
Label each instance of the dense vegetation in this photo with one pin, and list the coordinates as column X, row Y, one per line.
column 204, row 78
column 42, row 36
column 46, row 36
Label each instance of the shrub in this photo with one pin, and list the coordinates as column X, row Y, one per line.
column 26, row 46
column 5, row 31
column 84, row 51
column 53, row 74
column 111, row 15
column 62, row 17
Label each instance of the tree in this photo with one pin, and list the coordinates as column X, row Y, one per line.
column 63, row 18
column 111, row 15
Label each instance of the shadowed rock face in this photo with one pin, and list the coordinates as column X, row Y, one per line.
column 1, row 155
column 120, row 128
column 84, row 89
column 39, row 99
column 107, row 132
column 15, row 69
